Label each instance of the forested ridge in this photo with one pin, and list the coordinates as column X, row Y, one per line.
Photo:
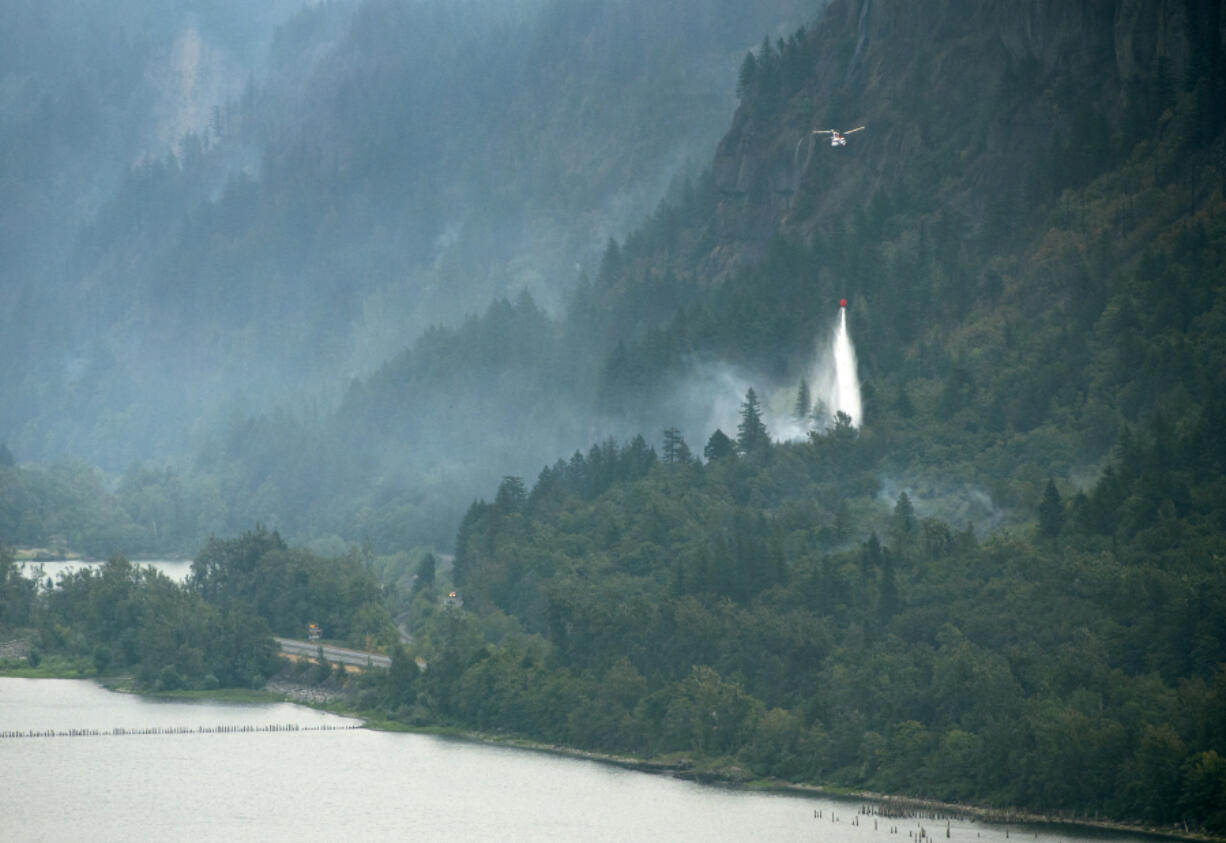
column 766, row 610
column 1024, row 278
column 382, row 167
column 1053, row 337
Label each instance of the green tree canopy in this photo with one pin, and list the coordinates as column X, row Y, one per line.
column 751, row 435
column 718, row 446
column 1051, row 511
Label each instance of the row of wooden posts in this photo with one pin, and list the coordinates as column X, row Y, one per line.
column 171, row 730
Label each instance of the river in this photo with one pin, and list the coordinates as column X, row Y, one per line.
column 177, row 569
column 230, row 771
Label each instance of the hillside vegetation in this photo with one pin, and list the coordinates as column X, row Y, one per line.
column 1015, row 301
column 1032, row 245
column 1002, row 584
column 767, row 613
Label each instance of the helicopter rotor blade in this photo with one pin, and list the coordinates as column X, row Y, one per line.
column 849, row 131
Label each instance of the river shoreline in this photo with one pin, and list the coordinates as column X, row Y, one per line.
column 339, row 702
column 733, row 777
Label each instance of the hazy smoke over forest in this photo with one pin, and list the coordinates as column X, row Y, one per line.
column 257, row 204
column 831, row 384
column 547, row 344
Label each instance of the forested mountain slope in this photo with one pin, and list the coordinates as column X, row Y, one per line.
column 87, row 90
column 1030, row 233
column 718, row 613
column 395, row 165
column 1030, row 242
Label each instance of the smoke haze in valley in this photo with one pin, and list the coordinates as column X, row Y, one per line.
column 256, row 203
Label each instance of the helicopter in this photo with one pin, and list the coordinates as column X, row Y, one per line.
column 837, row 138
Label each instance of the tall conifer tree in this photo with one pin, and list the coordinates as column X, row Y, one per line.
column 751, row 435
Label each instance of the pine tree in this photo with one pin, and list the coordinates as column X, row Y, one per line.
column 751, row 435
column 675, row 449
column 511, row 495
column 887, row 598
column 425, row 574
column 843, row 429
column 718, row 446
column 401, row 678
column 871, row 554
column 748, row 75
column 804, row 403
column 821, row 413
column 1051, row 511
column 610, row 264
column 904, row 524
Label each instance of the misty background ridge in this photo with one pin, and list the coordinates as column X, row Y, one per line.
column 407, row 249
column 266, row 205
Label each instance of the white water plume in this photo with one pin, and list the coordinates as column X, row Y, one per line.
column 833, row 382
column 833, row 386
column 846, row 394
column 714, row 393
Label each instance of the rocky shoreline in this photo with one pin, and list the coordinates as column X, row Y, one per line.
column 309, row 694
column 339, row 696
column 14, row 648
column 885, row 804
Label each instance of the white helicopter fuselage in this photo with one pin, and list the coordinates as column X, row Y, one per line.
column 837, row 138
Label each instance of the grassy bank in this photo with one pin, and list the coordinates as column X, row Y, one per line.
column 50, row 667
column 238, row 695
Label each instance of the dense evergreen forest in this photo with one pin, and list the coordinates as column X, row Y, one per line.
column 1003, row 584
column 735, row 610
column 213, row 631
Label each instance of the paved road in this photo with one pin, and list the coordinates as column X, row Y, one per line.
column 360, row 658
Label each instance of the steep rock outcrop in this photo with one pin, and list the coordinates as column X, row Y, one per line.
column 964, row 102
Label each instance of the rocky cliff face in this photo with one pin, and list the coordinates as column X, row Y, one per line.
column 963, row 101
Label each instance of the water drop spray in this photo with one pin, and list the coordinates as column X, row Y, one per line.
column 845, row 395
column 832, row 385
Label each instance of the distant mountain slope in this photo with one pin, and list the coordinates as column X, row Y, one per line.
column 1029, row 233
column 398, row 164
column 90, row 94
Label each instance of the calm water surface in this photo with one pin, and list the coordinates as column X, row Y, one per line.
column 177, row 569
column 355, row 784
